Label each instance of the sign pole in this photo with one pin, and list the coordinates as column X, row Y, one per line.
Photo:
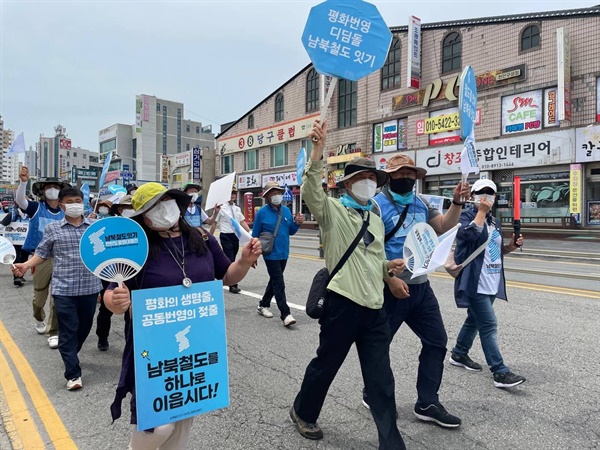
column 517, row 209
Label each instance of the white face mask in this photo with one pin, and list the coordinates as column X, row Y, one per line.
column 51, row 194
column 74, row 210
column 489, row 198
column 364, row 190
column 194, row 197
column 276, row 199
column 103, row 210
column 164, row 216
column 127, row 212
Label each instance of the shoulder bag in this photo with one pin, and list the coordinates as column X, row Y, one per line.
column 454, row 269
column 267, row 240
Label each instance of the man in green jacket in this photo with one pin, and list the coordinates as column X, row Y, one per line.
column 354, row 313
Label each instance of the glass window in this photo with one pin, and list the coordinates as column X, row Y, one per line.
column 187, row 147
column 390, row 72
column 107, row 146
column 226, row 164
column 198, row 130
column 279, row 155
column 187, row 128
column 158, row 106
column 347, row 103
column 308, row 145
column 278, row 107
column 530, row 38
column 312, row 91
column 251, row 121
column 74, row 154
column 452, row 53
column 251, row 160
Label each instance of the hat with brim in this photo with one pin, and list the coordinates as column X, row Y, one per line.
column 149, row 194
column 399, row 161
column 106, row 203
column 482, row 184
column 358, row 165
column 39, row 186
column 123, row 202
column 272, row 185
column 191, row 186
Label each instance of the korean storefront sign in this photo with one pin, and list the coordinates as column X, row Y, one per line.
column 180, row 352
column 165, row 168
column 449, row 120
column 587, row 144
column 138, row 114
column 448, row 116
column 145, row 108
column 413, row 68
column 282, row 179
column 284, row 132
column 390, row 136
column 528, row 151
column 64, row 143
column 563, row 51
column 575, row 192
column 182, row 159
column 249, row 181
column 550, row 110
column 382, row 160
column 196, row 161
column 598, row 99
column 522, row 112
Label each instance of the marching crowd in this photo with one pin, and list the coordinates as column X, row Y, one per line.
column 368, row 299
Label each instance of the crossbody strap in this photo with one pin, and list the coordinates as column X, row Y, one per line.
column 400, row 220
column 278, row 222
column 350, row 249
column 481, row 248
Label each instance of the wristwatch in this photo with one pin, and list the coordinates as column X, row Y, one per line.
column 457, row 203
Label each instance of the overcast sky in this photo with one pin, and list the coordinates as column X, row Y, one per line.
column 81, row 63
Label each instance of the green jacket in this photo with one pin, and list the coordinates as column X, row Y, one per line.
column 361, row 278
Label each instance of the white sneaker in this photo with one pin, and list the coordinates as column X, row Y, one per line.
column 74, row 384
column 40, row 327
column 53, row 341
column 289, row 320
column 264, row 312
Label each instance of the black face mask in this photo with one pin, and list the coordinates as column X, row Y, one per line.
column 402, row 185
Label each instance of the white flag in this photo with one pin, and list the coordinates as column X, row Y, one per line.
column 18, row 146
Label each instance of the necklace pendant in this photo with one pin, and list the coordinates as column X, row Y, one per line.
column 187, row 282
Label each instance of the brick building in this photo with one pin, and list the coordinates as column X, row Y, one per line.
column 538, row 83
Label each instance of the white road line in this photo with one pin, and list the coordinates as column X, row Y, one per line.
column 253, row 295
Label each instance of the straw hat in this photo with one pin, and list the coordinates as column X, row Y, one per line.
column 358, row 165
column 270, row 186
column 399, row 161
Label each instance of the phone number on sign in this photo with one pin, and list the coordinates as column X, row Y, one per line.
column 442, row 123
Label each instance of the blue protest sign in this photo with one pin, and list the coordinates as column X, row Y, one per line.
column 114, row 248
column 180, row 347
column 85, row 190
column 287, row 195
column 116, row 188
column 105, row 169
column 467, row 101
column 346, row 38
column 300, row 165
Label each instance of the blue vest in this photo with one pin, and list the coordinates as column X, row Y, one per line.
column 390, row 214
column 193, row 219
column 42, row 217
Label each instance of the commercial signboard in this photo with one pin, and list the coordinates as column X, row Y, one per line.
column 522, row 112
column 138, row 114
column 575, row 192
column 448, row 116
column 563, row 51
column 145, row 108
column 390, row 136
column 196, row 168
column 550, row 108
column 249, row 181
column 587, row 144
column 183, row 159
column 413, row 68
column 382, row 160
column 598, row 99
column 282, row 179
column 64, row 143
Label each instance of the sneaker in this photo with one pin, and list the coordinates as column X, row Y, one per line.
column 438, row 414
column 465, row 362
column 40, row 327
column 507, row 380
column 19, row 281
column 74, row 384
column 306, row 429
column 263, row 311
column 53, row 342
column 289, row 320
column 103, row 344
column 234, row 289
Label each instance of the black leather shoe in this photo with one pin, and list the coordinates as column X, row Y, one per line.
column 234, row 289
column 103, row 345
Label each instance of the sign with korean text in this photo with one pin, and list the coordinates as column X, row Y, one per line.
column 381, row 161
column 434, row 125
column 180, row 357
column 182, row 159
column 587, row 144
column 534, row 150
column 563, row 51
column 164, row 168
column 413, row 68
column 289, row 178
column 107, row 134
column 112, row 176
column 249, row 181
column 598, row 99
column 15, row 232
column 467, row 102
column 346, row 38
column 550, row 108
column 443, row 117
column 196, row 159
column 64, row 143
column 138, row 114
column 522, row 112
column 575, row 192
column 283, row 132
column 145, row 108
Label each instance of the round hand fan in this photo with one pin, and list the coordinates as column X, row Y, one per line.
column 420, row 243
column 8, row 253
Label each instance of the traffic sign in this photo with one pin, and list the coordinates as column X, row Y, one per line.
column 467, row 102
column 126, row 175
column 125, row 167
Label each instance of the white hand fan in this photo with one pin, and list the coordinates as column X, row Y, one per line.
column 8, row 253
column 420, row 243
column 114, row 249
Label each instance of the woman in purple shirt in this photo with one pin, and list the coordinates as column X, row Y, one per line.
column 179, row 254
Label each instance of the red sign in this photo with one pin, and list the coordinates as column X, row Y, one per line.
column 249, row 207
column 64, row 143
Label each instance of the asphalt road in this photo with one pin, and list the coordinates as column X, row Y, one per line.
column 548, row 332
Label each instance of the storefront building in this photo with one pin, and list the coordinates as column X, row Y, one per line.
column 538, row 114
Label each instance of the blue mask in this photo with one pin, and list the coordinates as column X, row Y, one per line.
column 349, row 202
column 403, row 200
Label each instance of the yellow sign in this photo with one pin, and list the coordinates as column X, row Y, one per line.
column 343, row 158
column 440, row 124
column 575, row 188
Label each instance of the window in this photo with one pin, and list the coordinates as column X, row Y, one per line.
column 84, row 156
column 187, row 128
column 251, row 121
column 451, row 53
column 278, row 107
column 158, row 106
column 68, row 153
column 312, row 91
column 390, row 72
column 530, row 38
column 226, row 164
column 74, row 154
column 197, row 130
column 347, row 100
column 307, row 144
column 187, row 147
column 251, row 160
column 279, row 155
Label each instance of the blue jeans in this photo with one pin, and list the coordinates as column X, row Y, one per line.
column 276, row 287
column 481, row 318
column 75, row 319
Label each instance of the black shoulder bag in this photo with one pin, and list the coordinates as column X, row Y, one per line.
column 317, row 296
column 267, row 240
column 391, row 234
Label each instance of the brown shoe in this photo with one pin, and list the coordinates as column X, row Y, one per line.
column 308, row 430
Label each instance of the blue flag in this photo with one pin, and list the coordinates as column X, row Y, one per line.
column 18, row 146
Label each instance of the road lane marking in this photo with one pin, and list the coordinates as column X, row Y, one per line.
column 59, row 436
column 259, row 297
column 20, row 427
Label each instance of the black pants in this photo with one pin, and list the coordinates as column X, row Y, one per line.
column 421, row 312
column 231, row 245
column 103, row 317
column 22, row 256
column 346, row 323
column 276, row 287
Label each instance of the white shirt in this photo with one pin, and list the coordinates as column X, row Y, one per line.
column 223, row 218
column 489, row 280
